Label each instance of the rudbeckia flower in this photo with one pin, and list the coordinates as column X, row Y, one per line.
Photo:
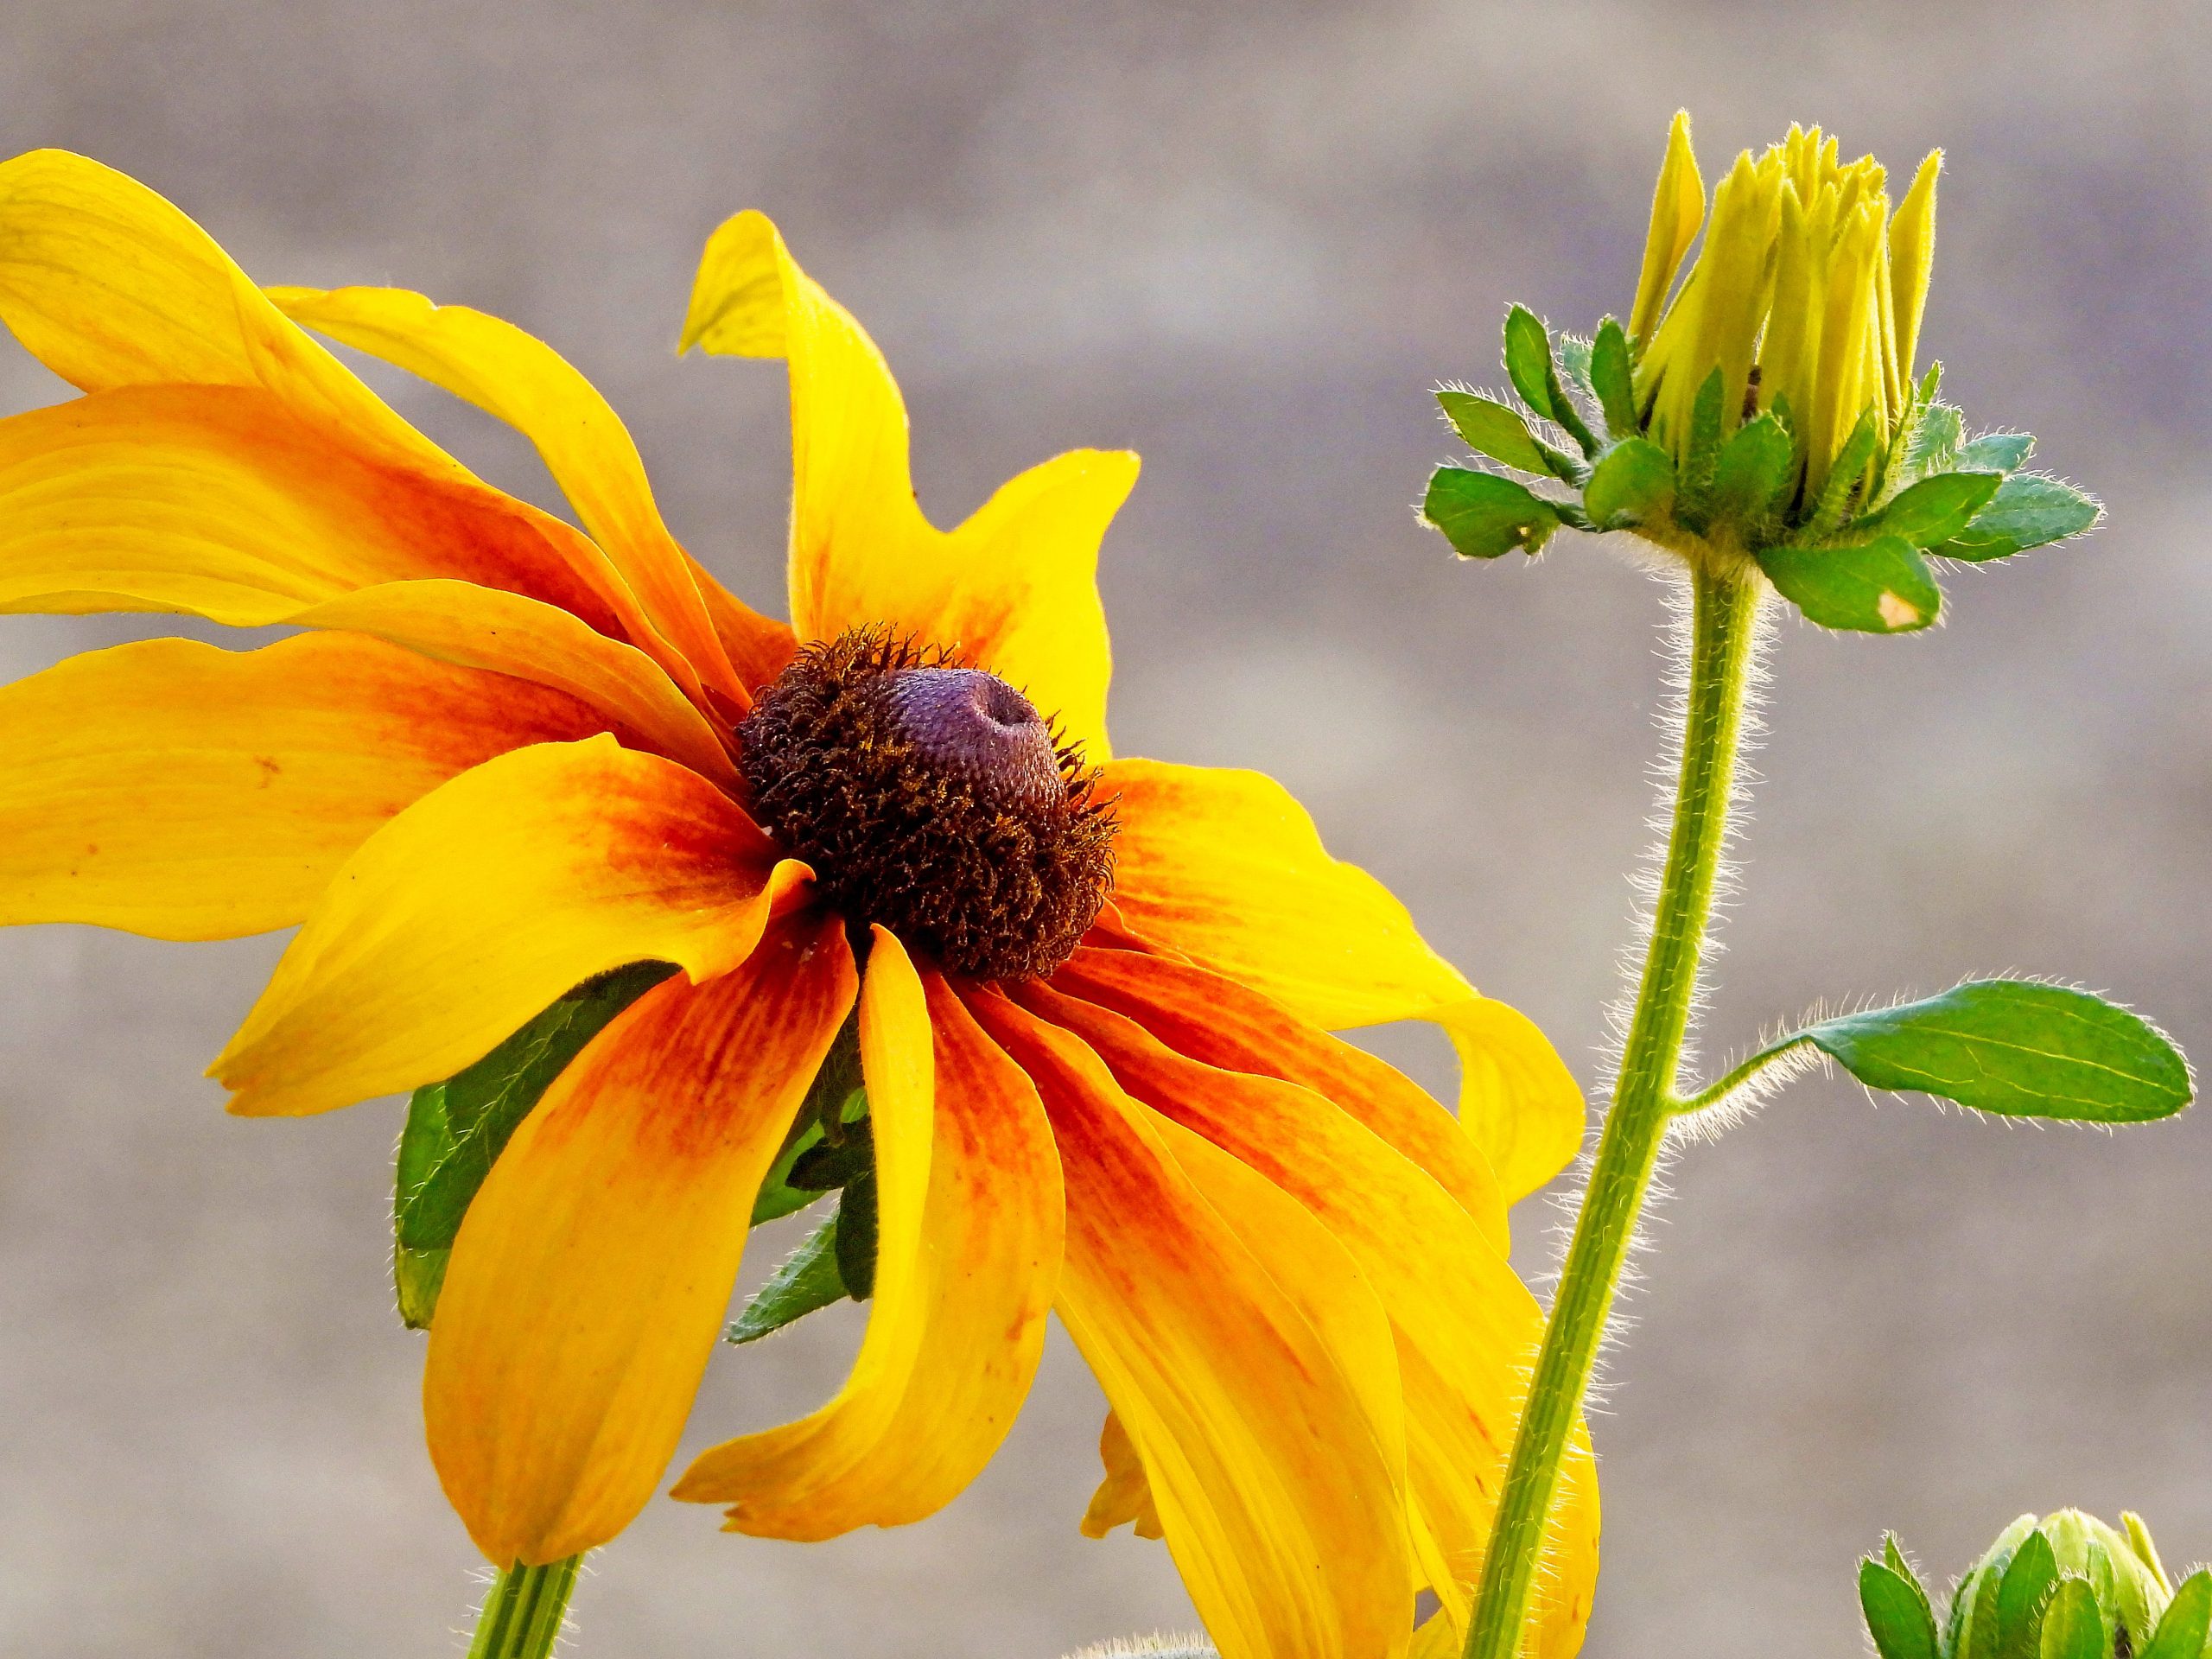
column 505, row 755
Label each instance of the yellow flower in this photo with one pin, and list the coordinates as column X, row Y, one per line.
column 506, row 755
column 1806, row 297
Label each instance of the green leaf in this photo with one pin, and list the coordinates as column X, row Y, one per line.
column 2072, row 1627
column 1935, row 509
column 778, row 1197
column 1535, row 376
column 808, row 1281
column 857, row 1236
column 1612, row 378
column 2020, row 1597
column 1844, row 478
column 2014, row 1047
column 456, row 1129
column 1752, row 473
column 1488, row 428
column 2029, row 510
column 1979, row 1640
column 1574, row 365
column 1996, row 452
column 1897, row 1616
column 1879, row 587
column 1704, row 450
column 824, row 1165
column 1633, row 483
column 2187, row 1622
column 1483, row 515
column 1931, row 443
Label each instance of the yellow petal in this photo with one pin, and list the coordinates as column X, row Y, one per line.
column 179, row 791
column 1912, row 255
column 472, row 910
column 1215, row 1020
column 1224, row 867
column 1276, row 1483
column 1124, row 1496
column 1012, row 590
column 969, row 1216
column 588, row 1282
column 521, row 380
column 486, row 627
column 108, row 285
column 216, row 501
column 1466, row 1328
column 1677, row 210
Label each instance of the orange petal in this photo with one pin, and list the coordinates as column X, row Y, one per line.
column 1226, row 869
column 589, row 1281
column 218, row 501
column 1012, row 590
column 472, row 910
column 1466, row 1330
column 967, row 1257
column 1252, row 1397
column 179, row 791
column 523, row 381
column 485, row 627
column 108, row 285
column 1217, row 1020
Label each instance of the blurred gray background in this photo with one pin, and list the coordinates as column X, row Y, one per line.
column 1245, row 240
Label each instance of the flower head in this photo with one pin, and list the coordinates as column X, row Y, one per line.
column 1087, row 996
column 1761, row 413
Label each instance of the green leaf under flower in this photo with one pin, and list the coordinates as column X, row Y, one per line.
column 808, row 1282
column 1530, row 364
column 1935, row 509
column 1483, row 515
column 1879, row 587
column 1896, row 1612
column 1488, row 428
column 2028, row 510
column 1633, row 483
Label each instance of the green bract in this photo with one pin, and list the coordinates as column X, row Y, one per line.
column 2066, row 1586
column 1856, row 556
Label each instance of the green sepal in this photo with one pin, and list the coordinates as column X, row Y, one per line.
column 1753, row 472
column 1483, row 515
column 1879, row 587
column 2073, row 1628
column 1489, row 428
column 2021, row 1594
column 2028, row 510
column 1574, row 365
column 1633, row 483
column 1612, row 378
column 808, row 1282
column 1896, row 1612
column 1843, row 478
column 2187, row 1622
column 836, row 1099
column 1535, row 375
column 857, row 1236
column 1934, row 510
column 456, row 1129
column 1997, row 451
column 1704, row 451
column 2017, row 1048
column 1979, row 1638
column 826, row 1166
column 1929, row 445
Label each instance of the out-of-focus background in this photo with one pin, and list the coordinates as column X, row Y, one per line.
column 1245, row 240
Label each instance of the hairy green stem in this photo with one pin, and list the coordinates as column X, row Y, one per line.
column 1723, row 627
column 522, row 1616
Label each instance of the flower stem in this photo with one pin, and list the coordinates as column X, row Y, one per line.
column 522, row 1616
column 1723, row 630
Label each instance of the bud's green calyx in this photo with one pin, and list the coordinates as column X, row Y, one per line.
column 2065, row 1587
column 1767, row 413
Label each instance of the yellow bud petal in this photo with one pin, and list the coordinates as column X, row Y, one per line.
column 1912, row 250
column 1677, row 210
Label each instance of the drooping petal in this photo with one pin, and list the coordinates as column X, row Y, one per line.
column 1012, row 590
column 1251, row 1400
column 486, row 627
column 216, row 501
column 174, row 790
column 1124, row 1496
column 521, row 380
column 970, row 1218
column 1465, row 1328
column 588, row 1282
column 472, row 910
column 1224, row 867
column 108, row 285
column 1215, row 1020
